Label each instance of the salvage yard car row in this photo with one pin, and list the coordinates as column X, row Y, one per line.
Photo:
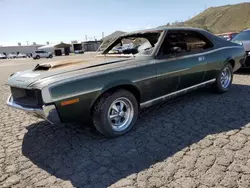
column 13, row 56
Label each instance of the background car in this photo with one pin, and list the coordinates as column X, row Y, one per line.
column 2, row 56
column 79, row 52
column 227, row 36
column 41, row 54
column 21, row 55
column 12, row 56
column 243, row 38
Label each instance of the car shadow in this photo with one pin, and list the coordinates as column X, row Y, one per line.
column 85, row 158
column 243, row 71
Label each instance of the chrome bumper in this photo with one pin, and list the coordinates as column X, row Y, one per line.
column 47, row 112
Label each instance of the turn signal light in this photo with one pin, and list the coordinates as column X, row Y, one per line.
column 68, row 102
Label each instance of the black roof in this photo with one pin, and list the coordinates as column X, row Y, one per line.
column 159, row 29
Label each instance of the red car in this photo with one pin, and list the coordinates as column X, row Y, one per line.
column 228, row 36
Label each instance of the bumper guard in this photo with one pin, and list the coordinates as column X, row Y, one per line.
column 47, row 112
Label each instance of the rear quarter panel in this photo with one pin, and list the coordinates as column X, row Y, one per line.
column 218, row 59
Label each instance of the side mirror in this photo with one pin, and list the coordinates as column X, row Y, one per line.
column 175, row 50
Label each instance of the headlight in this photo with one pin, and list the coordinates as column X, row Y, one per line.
column 248, row 53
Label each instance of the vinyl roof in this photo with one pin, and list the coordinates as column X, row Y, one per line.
column 159, row 29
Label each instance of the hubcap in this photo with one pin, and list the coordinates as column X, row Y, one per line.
column 120, row 114
column 226, row 77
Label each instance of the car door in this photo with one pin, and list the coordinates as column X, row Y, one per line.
column 43, row 54
column 178, row 66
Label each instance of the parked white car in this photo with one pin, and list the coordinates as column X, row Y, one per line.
column 21, row 55
column 41, row 54
column 12, row 56
column 2, row 56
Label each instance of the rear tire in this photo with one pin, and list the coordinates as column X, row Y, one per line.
column 224, row 79
column 115, row 114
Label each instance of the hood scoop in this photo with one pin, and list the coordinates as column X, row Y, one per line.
column 57, row 64
column 60, row 64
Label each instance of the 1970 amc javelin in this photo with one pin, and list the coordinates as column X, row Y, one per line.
column 110, row 88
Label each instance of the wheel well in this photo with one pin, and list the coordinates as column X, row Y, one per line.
column 232, row 62
column 129, row 88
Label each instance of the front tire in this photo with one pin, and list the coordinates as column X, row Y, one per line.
column 224, row 79
column 115, row 113
column 37, row 57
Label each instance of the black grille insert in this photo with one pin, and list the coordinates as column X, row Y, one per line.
column 27, row 98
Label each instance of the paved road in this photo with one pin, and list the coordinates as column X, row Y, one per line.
column 199, row 140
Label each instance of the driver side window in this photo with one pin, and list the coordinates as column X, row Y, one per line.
column 181, row 43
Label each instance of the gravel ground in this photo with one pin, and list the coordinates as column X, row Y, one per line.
column 198, row 140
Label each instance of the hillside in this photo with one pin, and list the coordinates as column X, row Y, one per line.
column 223, row 19
column 228, row 18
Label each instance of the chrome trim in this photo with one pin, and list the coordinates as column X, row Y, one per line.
column 49, row 112
column 174, row 94
column 173, row 72
column 46, row 95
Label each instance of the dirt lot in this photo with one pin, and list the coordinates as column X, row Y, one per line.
column 199, row 140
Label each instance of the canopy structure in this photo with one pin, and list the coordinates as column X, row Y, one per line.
column 55, row 46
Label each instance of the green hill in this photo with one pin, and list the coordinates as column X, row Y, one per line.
column 228, row 18
column 223, row 19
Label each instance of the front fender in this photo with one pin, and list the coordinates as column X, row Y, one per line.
column 112, row 85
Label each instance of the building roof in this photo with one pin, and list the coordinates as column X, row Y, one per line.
column 56, row 45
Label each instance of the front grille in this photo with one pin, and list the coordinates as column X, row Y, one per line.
column 27, row 98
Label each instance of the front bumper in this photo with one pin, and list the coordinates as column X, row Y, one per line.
column 47, row 112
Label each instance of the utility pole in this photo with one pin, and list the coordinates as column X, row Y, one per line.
column 102, row 34
column 86, row 37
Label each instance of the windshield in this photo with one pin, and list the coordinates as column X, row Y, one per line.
column 244, row 35
column 134, row 44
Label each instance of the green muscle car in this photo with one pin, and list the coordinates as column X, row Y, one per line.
column 110, row 88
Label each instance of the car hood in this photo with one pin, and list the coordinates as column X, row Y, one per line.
column 245, row 43
column 46, row 73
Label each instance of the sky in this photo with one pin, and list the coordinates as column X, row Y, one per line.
column 39, row 21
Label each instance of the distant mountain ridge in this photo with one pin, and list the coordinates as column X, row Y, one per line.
column 221, row 19
column 228, row 18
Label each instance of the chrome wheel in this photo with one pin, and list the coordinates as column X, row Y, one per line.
column 226, row 77
column 120, row 114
